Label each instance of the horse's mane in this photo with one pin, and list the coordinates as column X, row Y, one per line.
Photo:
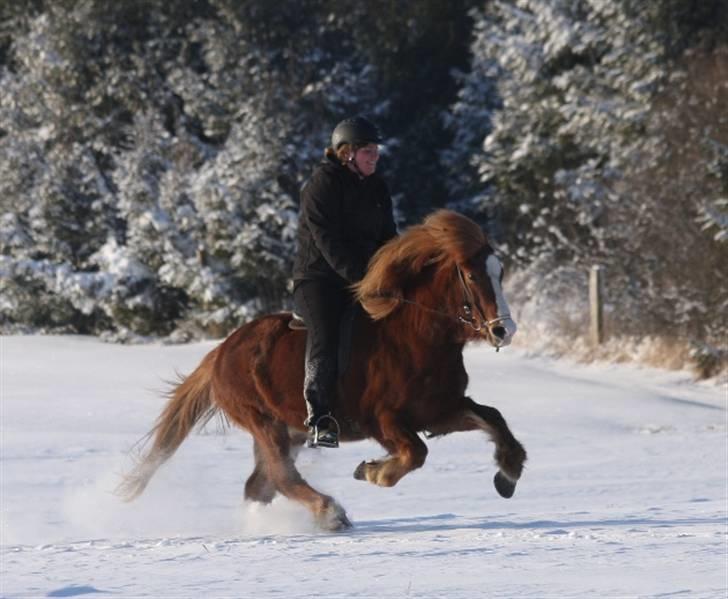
column 444, row 237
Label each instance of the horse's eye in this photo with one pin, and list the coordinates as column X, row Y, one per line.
column 470, row 276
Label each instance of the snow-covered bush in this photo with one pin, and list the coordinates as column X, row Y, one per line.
column 593, row 137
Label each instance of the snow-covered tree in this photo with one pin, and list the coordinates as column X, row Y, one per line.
column 573, row 82
column 55, row 202
column 713, row 217
column 665, row 248
column 603, row 142
column 151, row 160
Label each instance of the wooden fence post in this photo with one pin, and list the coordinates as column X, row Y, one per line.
column 595, row 304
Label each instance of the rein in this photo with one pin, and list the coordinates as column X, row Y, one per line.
column 468, row 300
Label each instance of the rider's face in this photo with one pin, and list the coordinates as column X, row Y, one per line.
column 366, row 158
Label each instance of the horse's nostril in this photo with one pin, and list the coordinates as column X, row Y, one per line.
column 499, row 332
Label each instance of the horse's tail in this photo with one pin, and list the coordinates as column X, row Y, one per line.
column 190, row 403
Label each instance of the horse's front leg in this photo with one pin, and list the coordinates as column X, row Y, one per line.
column 509, row 453
column 407, row 453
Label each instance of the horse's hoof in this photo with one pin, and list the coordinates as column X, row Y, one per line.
column 335, row 520
column 359, row 473
column 343, row 523
column 503, row 485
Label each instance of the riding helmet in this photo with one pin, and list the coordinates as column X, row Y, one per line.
column 356, row 131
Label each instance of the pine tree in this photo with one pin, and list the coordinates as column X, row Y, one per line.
column 604, row 142
column 573, row 81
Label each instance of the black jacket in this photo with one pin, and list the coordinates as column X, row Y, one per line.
column 343, row 221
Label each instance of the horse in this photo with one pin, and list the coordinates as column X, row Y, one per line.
column 426, row 293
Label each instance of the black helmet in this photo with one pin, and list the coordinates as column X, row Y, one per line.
column 356, row 131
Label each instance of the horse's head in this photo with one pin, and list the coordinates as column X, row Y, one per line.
column 447, row 271
column 484, row 306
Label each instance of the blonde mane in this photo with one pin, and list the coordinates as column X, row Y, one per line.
column 444, row 237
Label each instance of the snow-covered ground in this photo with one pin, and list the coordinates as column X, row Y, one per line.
column 624, row 494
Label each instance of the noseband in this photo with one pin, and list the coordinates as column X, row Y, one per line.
column 468, row 301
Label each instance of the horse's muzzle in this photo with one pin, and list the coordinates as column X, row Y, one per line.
column 500, row 333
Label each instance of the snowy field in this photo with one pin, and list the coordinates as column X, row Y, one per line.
column 624, row 494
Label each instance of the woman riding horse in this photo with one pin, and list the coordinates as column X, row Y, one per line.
column 345, row 217
column 426, row 293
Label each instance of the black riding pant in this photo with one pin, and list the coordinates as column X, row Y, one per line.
column 321, row 303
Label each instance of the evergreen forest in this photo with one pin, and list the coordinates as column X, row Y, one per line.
column 151, row 154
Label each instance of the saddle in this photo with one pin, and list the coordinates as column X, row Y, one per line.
column 346, row 330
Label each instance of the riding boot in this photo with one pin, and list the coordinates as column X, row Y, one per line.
column 319, row 386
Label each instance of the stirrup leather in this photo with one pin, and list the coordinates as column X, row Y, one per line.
column 321, row 438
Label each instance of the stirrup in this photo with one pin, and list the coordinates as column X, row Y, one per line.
column 328, row 437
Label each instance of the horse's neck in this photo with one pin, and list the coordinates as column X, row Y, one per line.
column 429, row 319
column 413, row 329
column 421, row 355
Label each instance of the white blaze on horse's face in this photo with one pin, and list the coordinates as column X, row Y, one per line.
column 503, row 327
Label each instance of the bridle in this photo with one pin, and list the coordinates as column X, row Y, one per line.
column 468, row 301
column 468, row 319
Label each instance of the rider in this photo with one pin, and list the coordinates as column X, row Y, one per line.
column 345, row 216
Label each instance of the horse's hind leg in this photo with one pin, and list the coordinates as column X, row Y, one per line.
column 509, row 453
column 407, row 450
column 259, row 486
column 275, row 448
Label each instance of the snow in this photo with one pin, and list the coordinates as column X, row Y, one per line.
column 624, row 493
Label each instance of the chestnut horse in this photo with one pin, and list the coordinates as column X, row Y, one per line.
column 427, row 293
